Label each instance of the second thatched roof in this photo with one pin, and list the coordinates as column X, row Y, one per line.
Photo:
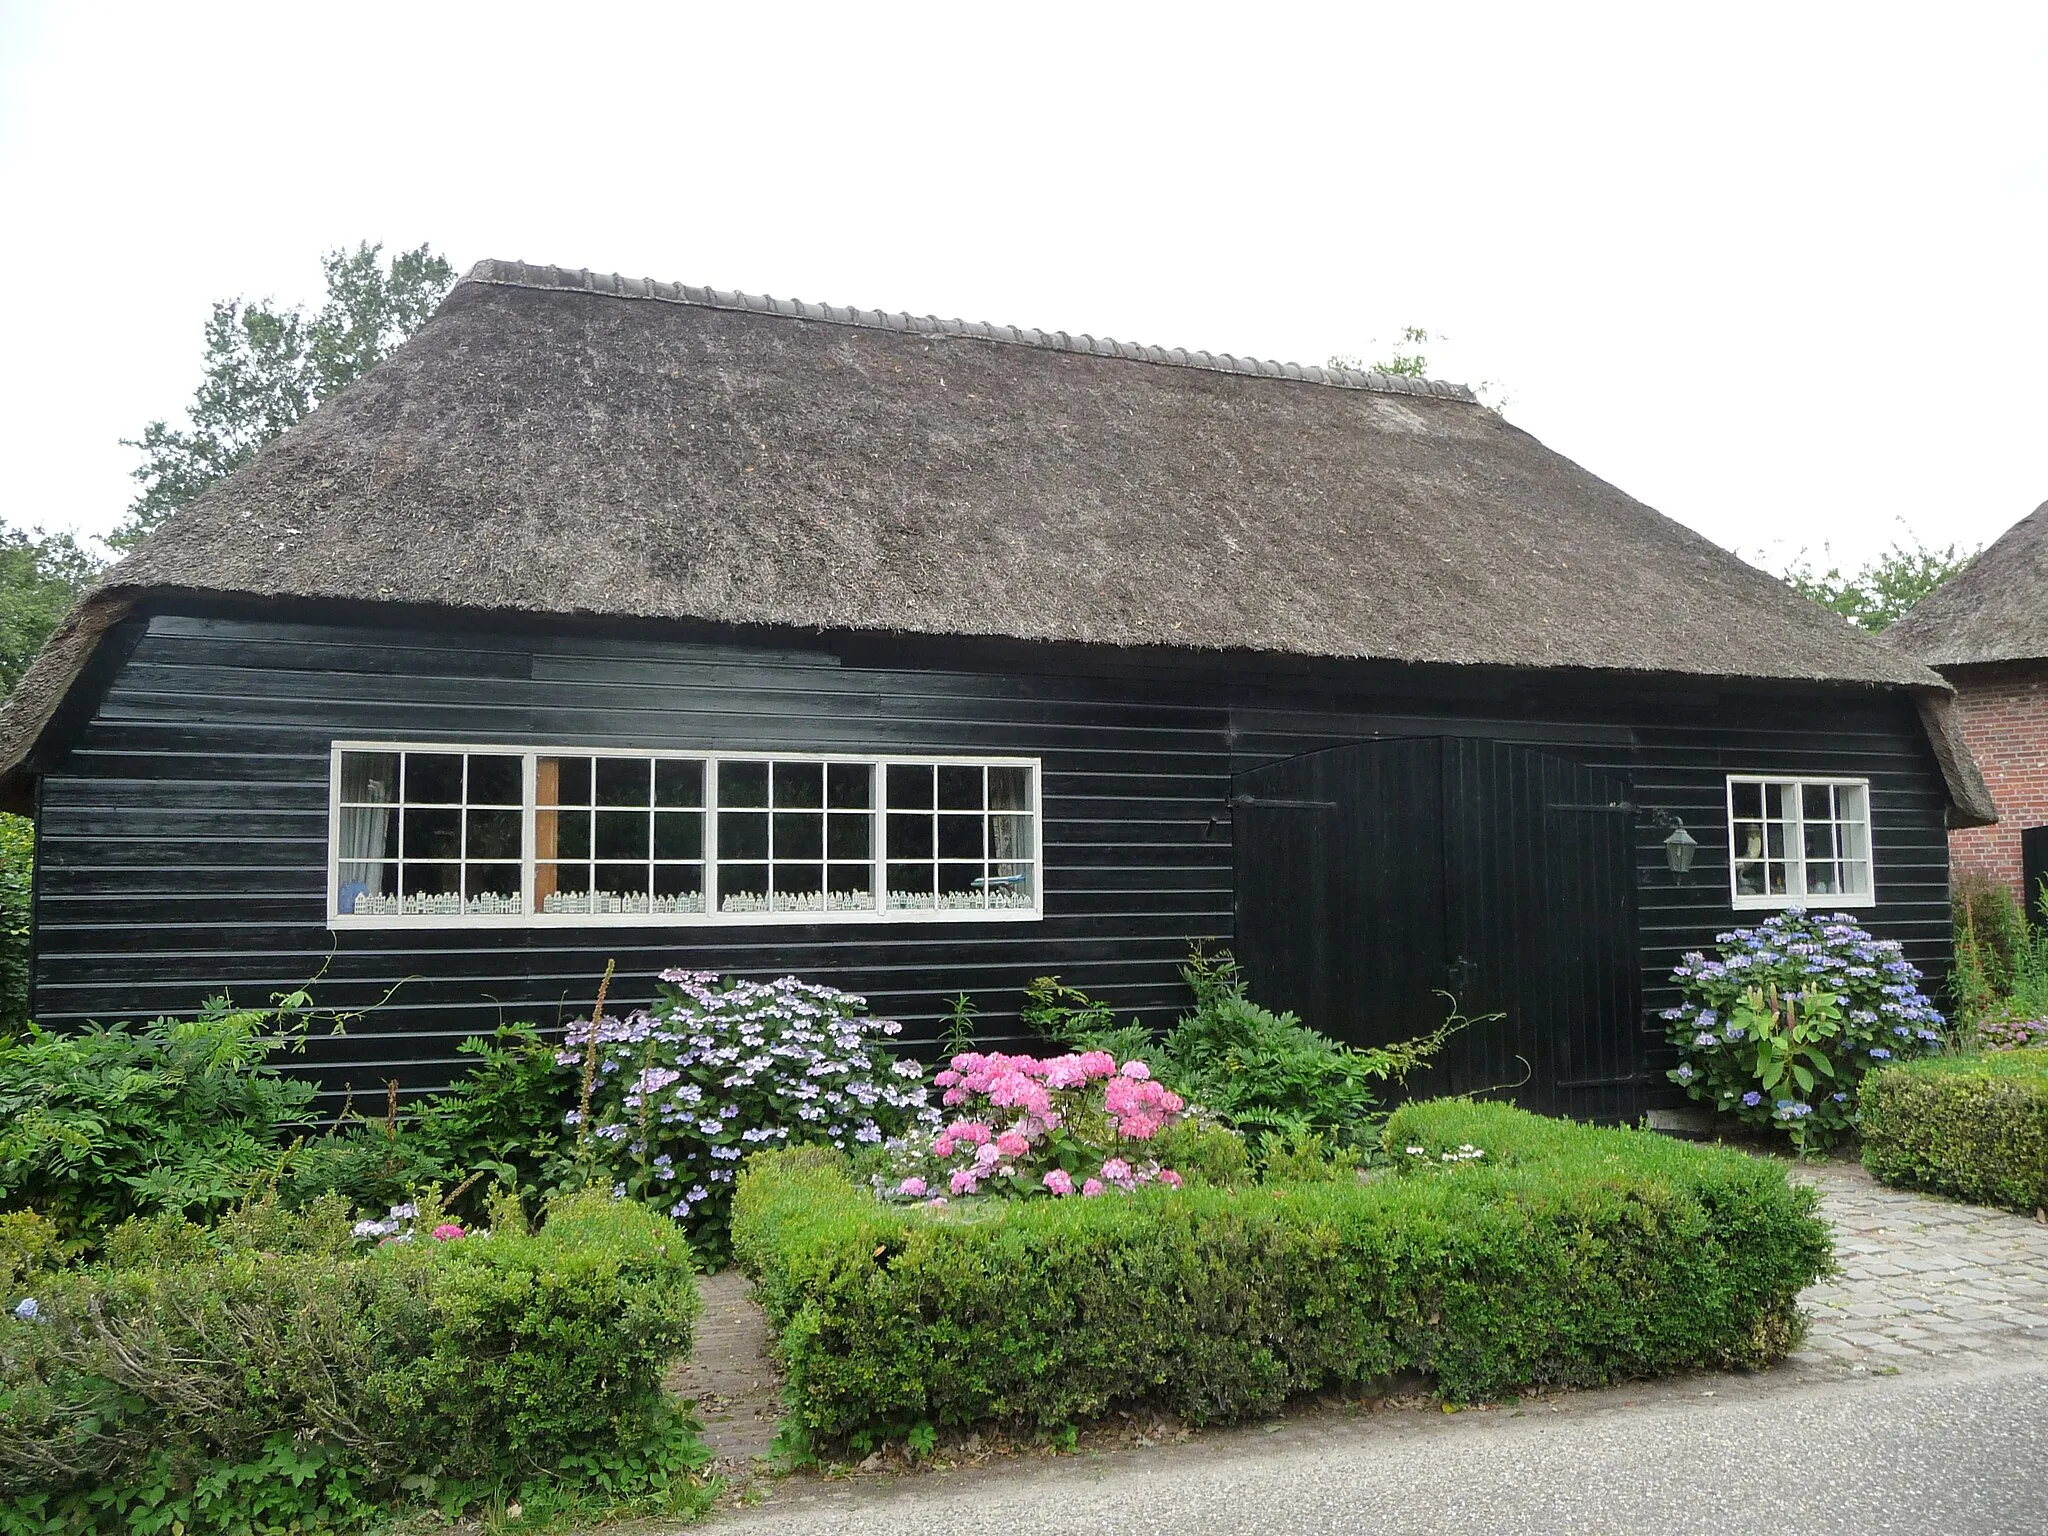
column 1995, row 609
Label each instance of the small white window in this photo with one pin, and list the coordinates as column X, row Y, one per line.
column 1795, row 842
column 449, row 836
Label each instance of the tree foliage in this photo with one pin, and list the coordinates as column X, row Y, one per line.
column 1884, row 590
column 1405, row 359
column 268, row 366
column 41, row 575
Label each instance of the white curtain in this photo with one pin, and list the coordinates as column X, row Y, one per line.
column 364, row 829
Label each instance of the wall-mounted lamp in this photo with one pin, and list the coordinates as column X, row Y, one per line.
column 1680, row 846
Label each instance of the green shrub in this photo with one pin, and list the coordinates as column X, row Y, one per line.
column 17, row 884
column 484, row 1365
column 1971, row 1127
column 1568, row 1256
column 1267, row 1074
column 173, row 1115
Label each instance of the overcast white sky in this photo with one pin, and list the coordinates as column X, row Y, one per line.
column 1779, row 270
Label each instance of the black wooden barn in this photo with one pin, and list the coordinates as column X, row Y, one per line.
column 623, row 619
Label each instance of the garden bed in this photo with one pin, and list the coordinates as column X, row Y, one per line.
column 1508, row 1251
column 1972, row 1127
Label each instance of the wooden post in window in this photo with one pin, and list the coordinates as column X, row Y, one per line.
column 547, row 793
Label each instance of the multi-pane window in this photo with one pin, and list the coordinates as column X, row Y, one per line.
column 546, row 836
column 428, row 833
column 1792, row 842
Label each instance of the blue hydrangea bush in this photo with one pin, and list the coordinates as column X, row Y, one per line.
column 1779, row 1028
column 682, row 1092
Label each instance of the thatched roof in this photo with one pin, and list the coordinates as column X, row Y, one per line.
column 559, row 442
column 1995, row 609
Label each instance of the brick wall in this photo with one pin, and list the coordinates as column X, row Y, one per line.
column 2004, row 712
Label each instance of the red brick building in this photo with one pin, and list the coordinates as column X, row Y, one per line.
column 1987, row 633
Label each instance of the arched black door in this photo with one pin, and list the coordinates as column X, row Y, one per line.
column 1373, row 878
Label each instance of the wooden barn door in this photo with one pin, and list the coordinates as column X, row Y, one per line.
column 1372, row 878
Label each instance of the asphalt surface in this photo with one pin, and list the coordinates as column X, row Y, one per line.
column 1952, row 1451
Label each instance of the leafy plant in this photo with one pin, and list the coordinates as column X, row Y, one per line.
column 1070, row 1017
column 17, row 885
column 681, row 1094
column 1781, row 1027
column 1882, row 591
column 458, row 1371
column 1971, row 1127
column 1078, row 1124
column 175, row 1115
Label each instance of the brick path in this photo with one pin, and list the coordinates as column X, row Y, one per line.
column 729, row 1373
column 1922, row 1278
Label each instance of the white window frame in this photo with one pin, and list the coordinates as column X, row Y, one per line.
column 529, row 771
column 1795, row 868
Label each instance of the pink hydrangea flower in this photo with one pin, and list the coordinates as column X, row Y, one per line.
column 986, row 1155
column 1092, row 1188
column 943, row 1147
column 973, row 1132
column 1170, row 1179
column 1098, row 1064
column 447, row 1232
column 1116, row 1170
column 1011, row 1144
column 1059, row 1182
column 965, row 1181
column 912, row 1187
column 1136, row 1070
column 1065, row 1072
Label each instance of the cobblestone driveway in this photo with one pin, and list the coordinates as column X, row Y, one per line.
column 1922, row 1279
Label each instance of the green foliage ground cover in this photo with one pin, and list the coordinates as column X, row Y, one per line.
column 1506, row 1251
column 1971, row 1126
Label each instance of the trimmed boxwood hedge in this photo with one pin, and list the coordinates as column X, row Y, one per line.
column 1971, row 1127
column 1566, row 1255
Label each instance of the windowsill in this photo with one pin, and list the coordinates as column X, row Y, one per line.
column 1803, row 903
column 923, row 916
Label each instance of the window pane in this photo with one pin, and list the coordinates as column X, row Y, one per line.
column 491, row 887
column 849, row 786
column 910, row 837
column 850, row 837
column 743, row 887
column 1748, row 800
column 799, row 786
column 492, row 835
column 1817, row 802
column 799, row 888
column 847, row 887
column 742, row 784
column 742, row 835
column 1779, row 887
column 363, row 834
column 960, row 837
column 1774, row 839
column 799, row 834
column 960, row 789
column 679, row 835
column 1009, row 837
column 1820, row 841
column 495, row 780
column 1010, row 885
column 910, row 786
column 622, row 879
column 624, row 781
column 369, row 778
column 433, row 778
column 573, row 779
column 679, row 888
column 1855, row 878
column 678, row 781
column 571, row 834
column 910, row 885
column 961, row 886
column 1009, row 789
column 367, row 889
column 621, row 834
column 432, row 835
column 430, row 879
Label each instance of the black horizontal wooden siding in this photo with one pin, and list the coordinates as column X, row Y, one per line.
column 182, row 829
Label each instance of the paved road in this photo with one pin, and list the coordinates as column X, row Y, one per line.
column 1952, row 1449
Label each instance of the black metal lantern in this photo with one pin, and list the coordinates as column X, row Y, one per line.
column 1679, row 848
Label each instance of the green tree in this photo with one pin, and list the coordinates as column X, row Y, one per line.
column 1882, row 591
column 267, row 367
column 41, row 575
